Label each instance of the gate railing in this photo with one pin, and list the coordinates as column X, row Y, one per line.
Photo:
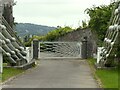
column 60, row 49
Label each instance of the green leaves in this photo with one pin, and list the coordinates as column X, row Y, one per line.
column 53, row 35
column 99, row 19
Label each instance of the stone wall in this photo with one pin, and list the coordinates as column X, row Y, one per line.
column 78, row 36
column 10, row 2
column 8, row 11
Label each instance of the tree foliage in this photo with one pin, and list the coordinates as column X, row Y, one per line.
column 99, row 19
column 53, row 35
column 84, row 25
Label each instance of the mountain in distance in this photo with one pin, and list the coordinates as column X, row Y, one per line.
column 24, row 29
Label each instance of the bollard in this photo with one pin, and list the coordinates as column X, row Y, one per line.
column 84, row 48
column 35, row 48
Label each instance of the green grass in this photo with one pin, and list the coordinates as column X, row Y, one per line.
column 108, row 77
column 0, row 78
column 4, row 64
column 10, row 72
column 92, row 61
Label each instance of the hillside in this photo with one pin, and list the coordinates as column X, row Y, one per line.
column 33, row 29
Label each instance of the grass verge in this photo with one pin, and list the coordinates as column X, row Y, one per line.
column 108, row 77
column 10, row 72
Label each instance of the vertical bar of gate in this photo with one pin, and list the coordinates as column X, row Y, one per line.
column 79, row 47
column 99, row 51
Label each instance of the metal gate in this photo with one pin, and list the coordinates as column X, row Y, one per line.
column 59, row 50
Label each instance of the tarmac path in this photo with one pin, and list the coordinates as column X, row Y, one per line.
column 56, row 74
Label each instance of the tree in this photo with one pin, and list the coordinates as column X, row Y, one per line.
column 84, row 24
column 99, row 19
column 53, row 35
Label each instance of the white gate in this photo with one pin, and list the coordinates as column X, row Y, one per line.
column 59, row 50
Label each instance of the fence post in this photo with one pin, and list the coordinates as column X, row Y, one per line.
column 99, row 51
column 84, row 48
column 35, row 48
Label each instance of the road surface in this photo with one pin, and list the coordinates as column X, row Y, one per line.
column 56, row 74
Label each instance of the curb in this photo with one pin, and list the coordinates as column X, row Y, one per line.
column 99, row 83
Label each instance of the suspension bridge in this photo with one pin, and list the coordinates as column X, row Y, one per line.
column 16, row 54
column 12, row 50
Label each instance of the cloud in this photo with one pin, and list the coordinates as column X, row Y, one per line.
column 54, row 12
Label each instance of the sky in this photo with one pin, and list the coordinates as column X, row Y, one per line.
column 54, row 12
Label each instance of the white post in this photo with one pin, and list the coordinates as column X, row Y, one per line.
column 28, row 54
column 98, row 54
column 32, row 50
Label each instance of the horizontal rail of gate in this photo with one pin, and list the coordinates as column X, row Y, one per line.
column 60, row 50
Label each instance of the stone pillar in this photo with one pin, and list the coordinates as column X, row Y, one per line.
column 84, row 48
column 35, row 49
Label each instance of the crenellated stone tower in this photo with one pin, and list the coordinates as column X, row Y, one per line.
column 8, row 11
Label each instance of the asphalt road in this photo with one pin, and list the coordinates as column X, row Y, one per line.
column 56, row 74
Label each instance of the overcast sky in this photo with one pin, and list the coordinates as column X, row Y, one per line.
column 54, row 12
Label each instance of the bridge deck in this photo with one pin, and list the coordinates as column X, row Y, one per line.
column 56, row 74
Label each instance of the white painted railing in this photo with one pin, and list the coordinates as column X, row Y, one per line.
column 11, row 48
column 29, row 54
column 111, row 37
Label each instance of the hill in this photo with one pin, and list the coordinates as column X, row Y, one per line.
column 24, row 29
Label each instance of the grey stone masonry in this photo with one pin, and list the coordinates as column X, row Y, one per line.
column 78, row 35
